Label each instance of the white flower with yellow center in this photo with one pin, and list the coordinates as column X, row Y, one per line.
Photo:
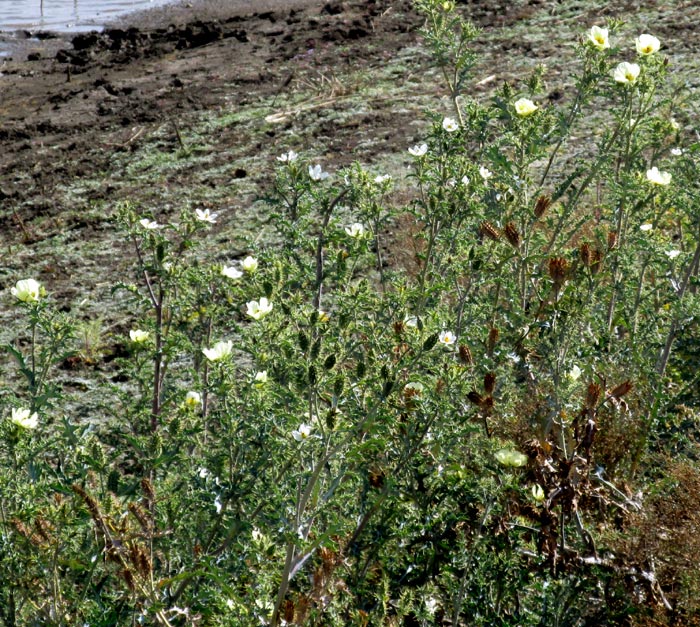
column 356, row 230
column 485, row 173
column 205, row 215
column 447, row 338
column 150, row 225
column 302, row 433
column 193, row 400
column 27, row 291
column 258, row 309
column 317, row 174
column 658, row 177
column 260, row 379
column 647, row 44
column 525, row 107
column 418, row 150
column 249, row 264
column 450, row 125
column 323, row 316
column 599, row 37
column 626, row 73
column 220, row 351
column 24, row 418
column 138, row 336
column 288, row 157
column 231, row 273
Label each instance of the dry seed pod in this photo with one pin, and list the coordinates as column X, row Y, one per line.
column 489, row 230
column 592, row 395
column 465, row 355
column 475, row 398
column 543, row 203
column 612, row 240
column 558, row 269
column 596, row 261
column 622, row 389
column 585, row 254
column 492, row 339
column 489, row 382
column 512, row 235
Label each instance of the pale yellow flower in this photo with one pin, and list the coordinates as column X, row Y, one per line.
column 658, row 177
column 249, row 264
column 139, row 336
column 220, row 350
column 509, row 457
column 260, row 379
column 626, row 73
column 27, row 291
column 525, row 107
column 599, row 37
column 537, row 493
column 24, row 418
column 647, row 44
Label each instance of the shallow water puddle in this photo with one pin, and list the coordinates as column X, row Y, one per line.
column 66, row 15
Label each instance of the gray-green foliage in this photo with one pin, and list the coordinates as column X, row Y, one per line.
column 314, row 435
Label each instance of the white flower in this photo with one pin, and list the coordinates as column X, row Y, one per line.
column 258, row 309
column 317, row 173
column 646, row 227
column 220, row 350
column 626, row 73
column 466, row 180
column 288, row 157
column 509, row 457
column 676, row 152
column 537, row 492
column 231, row 273
column 193, row 399
column 204, row 215
column 323, row 316
column 150, row 225
column 485, row 173
column 599, row 37
column 431, row 605
column 260, row 379
column 450, row 125
column 356, row 230
column 382, row 178
column 525, row 107
column 249, row 264
column 138, row 336
column 672, row 254
column 658, row 177
column 574, row 373
column 418, row 150
column 675, row 124
column 447, row 338
column 27, row 291
column 22, row 418
column 647, row 44
column 302, row 433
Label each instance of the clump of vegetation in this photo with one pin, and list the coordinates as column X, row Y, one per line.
column 314, row 436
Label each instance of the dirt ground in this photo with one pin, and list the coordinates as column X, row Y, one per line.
column 188, row 105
